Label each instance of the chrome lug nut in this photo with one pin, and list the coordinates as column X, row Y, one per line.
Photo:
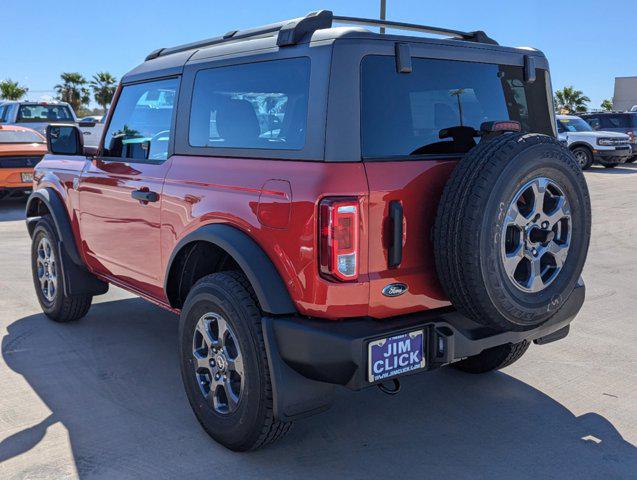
column 545, row 225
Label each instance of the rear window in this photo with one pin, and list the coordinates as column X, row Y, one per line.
column 626, row 120
column 260, row 105
column 406, row 114
column 44, row 113
column 19, row 136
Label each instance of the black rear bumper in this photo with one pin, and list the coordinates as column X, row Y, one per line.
column 313, row 355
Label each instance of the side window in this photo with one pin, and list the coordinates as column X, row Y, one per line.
column 259, row 105
column 593, row 122
column 140, row 128
column 3, row 113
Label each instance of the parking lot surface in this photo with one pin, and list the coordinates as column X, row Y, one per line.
column 102, row 398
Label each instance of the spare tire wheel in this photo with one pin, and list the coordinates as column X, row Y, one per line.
column 512, row 230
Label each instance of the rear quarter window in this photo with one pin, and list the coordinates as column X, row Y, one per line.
column 405, row 114
column 261, row 105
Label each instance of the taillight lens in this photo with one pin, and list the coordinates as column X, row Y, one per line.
column 339, row 226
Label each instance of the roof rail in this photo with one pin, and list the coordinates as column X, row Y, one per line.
column 477, row 36
column 290, row 32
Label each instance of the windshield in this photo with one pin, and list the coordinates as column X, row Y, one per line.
column 20, row 136
column 44, row 113
column 573, row 125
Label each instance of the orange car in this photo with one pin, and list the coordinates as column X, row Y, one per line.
column 20, row 150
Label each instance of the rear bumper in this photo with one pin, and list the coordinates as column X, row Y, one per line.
column 308, row 357
column 336, row 352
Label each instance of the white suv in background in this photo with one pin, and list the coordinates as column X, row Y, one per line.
column 606, row 148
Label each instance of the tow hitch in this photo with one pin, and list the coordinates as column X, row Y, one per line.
column 395, row 390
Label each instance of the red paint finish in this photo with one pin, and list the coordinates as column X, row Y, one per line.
column 202, row 190
column 274, row 202
column 418, row 186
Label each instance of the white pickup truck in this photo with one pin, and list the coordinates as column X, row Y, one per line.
column 606, row 148
column 37, row 115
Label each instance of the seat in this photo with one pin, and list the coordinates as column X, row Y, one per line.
column 237, row 123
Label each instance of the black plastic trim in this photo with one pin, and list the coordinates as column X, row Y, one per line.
column 77, row 279
column 268, row 286
column 336, row 352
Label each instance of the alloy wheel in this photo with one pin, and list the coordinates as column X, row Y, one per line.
column 218, row 363
column 536, row 235
column 47, row 269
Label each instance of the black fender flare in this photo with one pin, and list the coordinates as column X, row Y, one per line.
column 58, row 212
column 77, row 280
column 579, row 143
column 266, row 281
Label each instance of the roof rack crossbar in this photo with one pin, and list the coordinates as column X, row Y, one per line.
column 477, row 36
column 290, row 32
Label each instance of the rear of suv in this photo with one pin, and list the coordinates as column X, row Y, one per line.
column 620, row 122
column 322, row 207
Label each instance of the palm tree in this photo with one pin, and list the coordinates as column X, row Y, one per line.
column 570, row 100
column 103, row 85
column 73, row 90
column 10, row 90
column 607, row 105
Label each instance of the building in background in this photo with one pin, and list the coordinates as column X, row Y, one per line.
column 625, row 96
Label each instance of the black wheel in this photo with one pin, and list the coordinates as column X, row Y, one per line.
column 224, row 365
column 584, row 157
column 631, row 159
column 48, row 277
column 493, row 358
column 512, row 230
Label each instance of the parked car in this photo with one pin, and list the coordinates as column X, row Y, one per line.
column 38, row 115
column 322, row 207
column 92, row 128
column 622, row 122
column 20, row 150
column 606, row 148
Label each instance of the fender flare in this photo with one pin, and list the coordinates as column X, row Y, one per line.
column 77, row 280
column 266, row 281
column 579, row 143
column 58, row 211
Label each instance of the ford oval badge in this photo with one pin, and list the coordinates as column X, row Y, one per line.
column 394, row 289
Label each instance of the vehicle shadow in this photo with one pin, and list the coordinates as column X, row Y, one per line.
column 624, row 169
column 12, row 209
column 112, row 380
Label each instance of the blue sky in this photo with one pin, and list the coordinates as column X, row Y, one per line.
column 588, row 43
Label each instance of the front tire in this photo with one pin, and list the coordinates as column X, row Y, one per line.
column 493, row 358
column 48, row 276
column 224, row 364
column 584, row 157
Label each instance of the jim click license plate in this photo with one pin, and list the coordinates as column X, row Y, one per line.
column 26, row 177
column 395, row 355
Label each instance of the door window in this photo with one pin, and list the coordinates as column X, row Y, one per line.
column 140, row 128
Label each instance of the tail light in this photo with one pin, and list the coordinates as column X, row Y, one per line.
column 339, row 220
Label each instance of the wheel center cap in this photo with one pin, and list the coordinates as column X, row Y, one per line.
column 220, row 360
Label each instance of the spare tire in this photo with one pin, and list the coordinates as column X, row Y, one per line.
column 512, row 230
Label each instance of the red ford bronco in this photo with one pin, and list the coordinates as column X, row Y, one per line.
column 322, row 207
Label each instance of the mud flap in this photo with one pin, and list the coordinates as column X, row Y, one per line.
column 78, row 280
column 294, row 395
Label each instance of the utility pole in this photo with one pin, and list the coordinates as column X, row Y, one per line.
column 383, row 13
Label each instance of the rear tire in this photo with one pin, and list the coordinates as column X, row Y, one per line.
column 493, row 358
column 48, row 276
column 231, row 398
column 512, row 231
column 584, row 157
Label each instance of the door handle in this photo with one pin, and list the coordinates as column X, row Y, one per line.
column 396, row 248
column 145, row 196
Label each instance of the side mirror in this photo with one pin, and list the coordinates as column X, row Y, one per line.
column 64, row 140
column 86, row 124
